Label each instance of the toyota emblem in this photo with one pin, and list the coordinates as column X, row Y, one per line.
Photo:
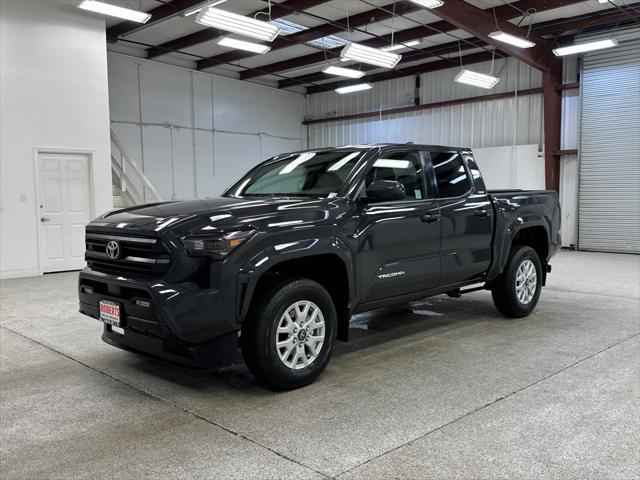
column 113, row 250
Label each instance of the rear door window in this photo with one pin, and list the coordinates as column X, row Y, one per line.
column 451, row 175
column 403, row 167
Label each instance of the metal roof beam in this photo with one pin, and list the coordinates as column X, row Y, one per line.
column 480, row 23
column 365, row 18
column 556, row 26
column 503, row 12
column 278, row 10
column 159, row 14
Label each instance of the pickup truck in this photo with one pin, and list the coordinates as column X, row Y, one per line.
column 277, row 265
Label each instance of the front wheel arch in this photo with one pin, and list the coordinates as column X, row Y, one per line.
column 327, row 269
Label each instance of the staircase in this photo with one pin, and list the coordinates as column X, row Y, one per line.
column 130, row 186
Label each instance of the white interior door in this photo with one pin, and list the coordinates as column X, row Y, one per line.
column 65, row 208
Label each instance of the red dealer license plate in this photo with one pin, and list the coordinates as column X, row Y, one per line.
column 110, row 312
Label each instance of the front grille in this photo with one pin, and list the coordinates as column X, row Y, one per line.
column 145, row 256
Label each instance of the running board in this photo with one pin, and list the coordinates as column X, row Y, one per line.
column 457, row 293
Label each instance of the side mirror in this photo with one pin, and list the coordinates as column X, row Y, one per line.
column 384, row 191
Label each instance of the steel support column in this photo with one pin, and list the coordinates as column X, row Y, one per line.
column 552, row 104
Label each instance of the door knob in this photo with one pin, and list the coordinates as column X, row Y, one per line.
column 482, row 212
column 44, row 219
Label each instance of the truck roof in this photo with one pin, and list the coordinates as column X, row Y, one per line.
column 381, row 146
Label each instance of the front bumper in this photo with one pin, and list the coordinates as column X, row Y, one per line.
column 214, row 354
column 181, row 324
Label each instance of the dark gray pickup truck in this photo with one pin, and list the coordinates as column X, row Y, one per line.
column 279, row 263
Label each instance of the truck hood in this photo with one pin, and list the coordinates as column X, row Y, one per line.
column 219, row 214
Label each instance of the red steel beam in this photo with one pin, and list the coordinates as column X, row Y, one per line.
column 552, row 106
column 480, row 23
column 278, row 10
column 365, row 18
column 158, row 14
column 503, row 12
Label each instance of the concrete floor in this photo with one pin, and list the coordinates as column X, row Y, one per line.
column 450, row 390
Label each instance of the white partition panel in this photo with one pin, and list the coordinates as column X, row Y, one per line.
column 517, row 166
column 194, row 133
column 158, row 167
column 273, row 146
column 234, row 155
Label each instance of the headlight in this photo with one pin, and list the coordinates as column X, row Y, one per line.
column 216, row 246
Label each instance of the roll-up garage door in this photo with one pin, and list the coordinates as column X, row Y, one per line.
column 609, row 201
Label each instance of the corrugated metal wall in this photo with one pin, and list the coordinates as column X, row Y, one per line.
column 609, row 208
column 512, row 121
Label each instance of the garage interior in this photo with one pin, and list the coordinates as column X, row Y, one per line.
column 99, row 113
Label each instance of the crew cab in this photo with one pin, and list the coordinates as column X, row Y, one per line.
column 277, row 265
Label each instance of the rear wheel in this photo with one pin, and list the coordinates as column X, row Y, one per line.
column 516, row 292
column 288, row 338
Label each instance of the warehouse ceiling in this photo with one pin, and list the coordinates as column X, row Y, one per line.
column 313, row 33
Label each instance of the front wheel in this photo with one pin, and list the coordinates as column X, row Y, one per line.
column 288, row 338
column 516, row 292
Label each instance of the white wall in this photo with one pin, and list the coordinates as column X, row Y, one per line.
column 195, row 133
column 53, row 93
column 493, row 123
column 519, row 166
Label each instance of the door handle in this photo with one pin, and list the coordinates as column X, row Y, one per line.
column 430, row 217
column 44, row 219
column 481, row 212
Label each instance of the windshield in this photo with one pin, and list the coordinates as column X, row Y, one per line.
column 307, row 174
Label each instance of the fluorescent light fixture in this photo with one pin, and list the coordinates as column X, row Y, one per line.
column 482, row 80
column 232, row 22
column 353, row 88
column 429, row 3
column 115, row 11
column 244, row 45
column 343, row 72
column 399, row 46
column 585, row 47
column 372, row 56
column 511, row 39
column 195, row 10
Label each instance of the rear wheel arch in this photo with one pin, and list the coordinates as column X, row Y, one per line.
column 536, row 237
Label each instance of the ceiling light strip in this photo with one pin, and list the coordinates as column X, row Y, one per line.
column 476, row 79
column 232, row 22
column 115, row 11
column 343, row 72
column 514, row 40
column 244, row 45
column 429, row 3
column 353, row 88
column 369, row 55
column 585, row 47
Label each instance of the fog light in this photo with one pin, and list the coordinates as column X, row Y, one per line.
column 143, row 303
column 88, row 290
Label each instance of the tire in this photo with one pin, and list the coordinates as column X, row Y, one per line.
column 508, row 297
column 290, row 366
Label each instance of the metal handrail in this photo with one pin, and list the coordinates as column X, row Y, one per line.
column 121, row 169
